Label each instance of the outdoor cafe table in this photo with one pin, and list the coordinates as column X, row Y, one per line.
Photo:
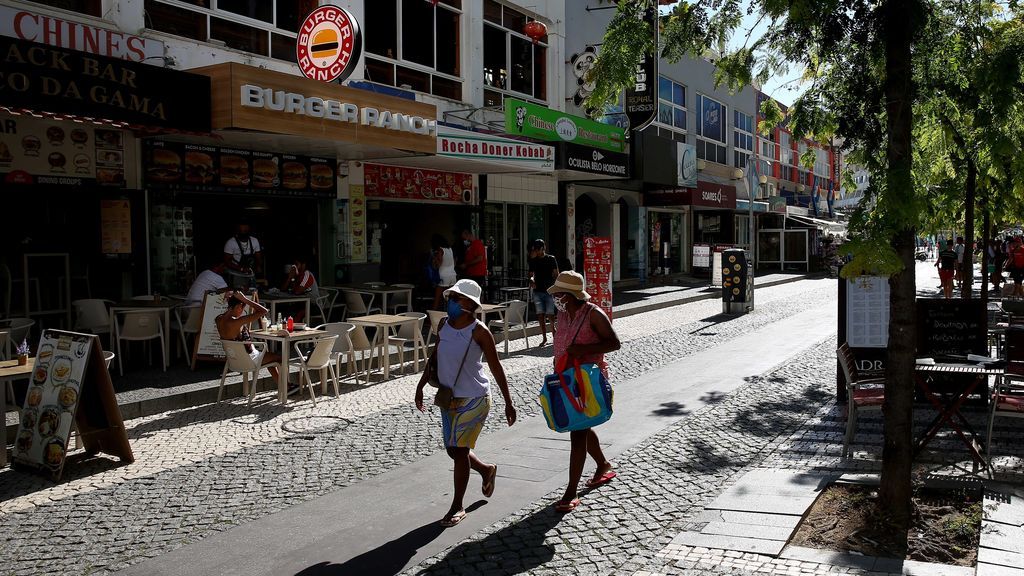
column 164, row 305
column 382, row 291
column 274, row 299
column 383, row 324
column 286, row 339
column 9, row 370
column 949, row 410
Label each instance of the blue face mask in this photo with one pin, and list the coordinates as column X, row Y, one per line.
column 454, row 309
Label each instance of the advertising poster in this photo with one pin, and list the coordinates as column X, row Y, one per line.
column 701, row 256
column 35, row 151
column 399, row 183
column 116, row 226
column 597, row 268
column 357, row 223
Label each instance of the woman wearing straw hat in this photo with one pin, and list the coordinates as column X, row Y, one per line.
column 462, row 343
column 584, row 333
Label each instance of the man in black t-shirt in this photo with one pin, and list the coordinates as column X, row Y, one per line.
column 543, row 271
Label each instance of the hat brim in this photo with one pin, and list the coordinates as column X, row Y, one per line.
column 454, row 289
column 579, row 294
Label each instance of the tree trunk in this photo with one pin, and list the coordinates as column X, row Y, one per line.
column 967, row 267
column 901, row 19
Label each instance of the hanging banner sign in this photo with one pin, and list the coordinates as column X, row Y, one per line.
column 597, row 268
column 534, row 121
column 328, row 44
column 641, row 102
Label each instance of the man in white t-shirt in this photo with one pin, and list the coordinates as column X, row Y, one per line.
column 243, row 252
column 209, row 280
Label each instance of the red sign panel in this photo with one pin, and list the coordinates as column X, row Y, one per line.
column 714, row 195
column 597, row 268
column 329, row 44
column 400, row 183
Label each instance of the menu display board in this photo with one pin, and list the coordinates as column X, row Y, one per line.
column 38, row 151
column 419, row 184
column 207, row 343
column 597, row 267
column 701, row 256
column 116, row 226
column 69, row 385
column 357, row 223
column 867, row 312
column 191, row 167
column 950, row 327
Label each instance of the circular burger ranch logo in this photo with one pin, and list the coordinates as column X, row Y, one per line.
column 329, row 44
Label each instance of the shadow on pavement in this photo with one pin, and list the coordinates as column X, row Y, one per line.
column 671, row 409
column 17, row 480
column 522, row 548
column 389, row 558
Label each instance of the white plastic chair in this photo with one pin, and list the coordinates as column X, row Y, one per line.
column 435, row 318
column 514, row 319
column 343, row 349
column 92, row 316
column 240, row 361
column 403, row 300
column 410, row 333
column 361, row 343
column 359, row 303
column 188, row 325
column 320, row 359
column 108, row 357
column 139, row 326
column 325, row 303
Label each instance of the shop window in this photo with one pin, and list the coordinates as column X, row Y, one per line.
column 90, row 7
column 264, row 27
column 512, row 63
column 416, row 41
column 740, row 159
column 711, row 130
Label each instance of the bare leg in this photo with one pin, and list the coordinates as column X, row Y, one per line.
column 594, row 449
column 465, row 460
column 543, row 329
column 577, row 458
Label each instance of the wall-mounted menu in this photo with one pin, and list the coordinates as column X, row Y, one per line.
column 597, row 266
column 40, row 151
column 192, row 167
column 422, row 185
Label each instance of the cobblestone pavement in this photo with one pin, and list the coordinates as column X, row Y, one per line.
column 211, row 467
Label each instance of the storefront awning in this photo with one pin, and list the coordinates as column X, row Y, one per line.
column 481, row 153
column 826, row 225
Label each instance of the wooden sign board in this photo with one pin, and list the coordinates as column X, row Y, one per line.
column 70, row 387
column 207, row 342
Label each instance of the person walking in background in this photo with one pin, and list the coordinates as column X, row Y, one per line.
column 463, row 341
column 585, row 334
column 959, row 273
column 1015, row 265
column 443, row 261
column 946, row 263
column 474, row 262
column 543, row 269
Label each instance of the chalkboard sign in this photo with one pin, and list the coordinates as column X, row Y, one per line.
column 70, row 385
column 207, row 342
column 950, row 328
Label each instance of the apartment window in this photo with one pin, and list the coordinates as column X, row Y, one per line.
column 820, row 162
column 711, row 130
column 513, row 64
column 415, row 44
column 267, row 27
column 671, row 104
column 742, row 138
column 788, row 172
column 90, row 7
column 767, row 148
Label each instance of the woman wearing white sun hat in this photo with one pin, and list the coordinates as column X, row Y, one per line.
column 463, row 341
column 584, row 333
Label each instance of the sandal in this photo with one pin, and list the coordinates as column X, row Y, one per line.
column 453, row 519
column 603, row 479
column 488, row 485
column 562, row 506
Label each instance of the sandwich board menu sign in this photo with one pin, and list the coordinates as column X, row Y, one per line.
column 207, row 343
column 70, row 388
column 597, row 267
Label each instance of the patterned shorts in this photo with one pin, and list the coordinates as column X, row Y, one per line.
column 462, row 422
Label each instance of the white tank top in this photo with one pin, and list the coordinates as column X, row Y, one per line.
column 447, row 269
column 472, row 383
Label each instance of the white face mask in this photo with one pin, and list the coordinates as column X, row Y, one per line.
column 560, row 304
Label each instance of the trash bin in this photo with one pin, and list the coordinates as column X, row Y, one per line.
column 737, row 282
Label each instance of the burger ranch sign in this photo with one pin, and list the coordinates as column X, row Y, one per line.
column 253, row 96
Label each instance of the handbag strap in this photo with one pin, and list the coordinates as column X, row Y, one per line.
column 464, row 355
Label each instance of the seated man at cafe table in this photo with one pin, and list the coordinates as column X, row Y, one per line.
column 209, row 280
column 301, row 282
column 234, row 323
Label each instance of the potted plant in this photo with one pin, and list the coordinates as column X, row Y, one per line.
column 22, row 352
